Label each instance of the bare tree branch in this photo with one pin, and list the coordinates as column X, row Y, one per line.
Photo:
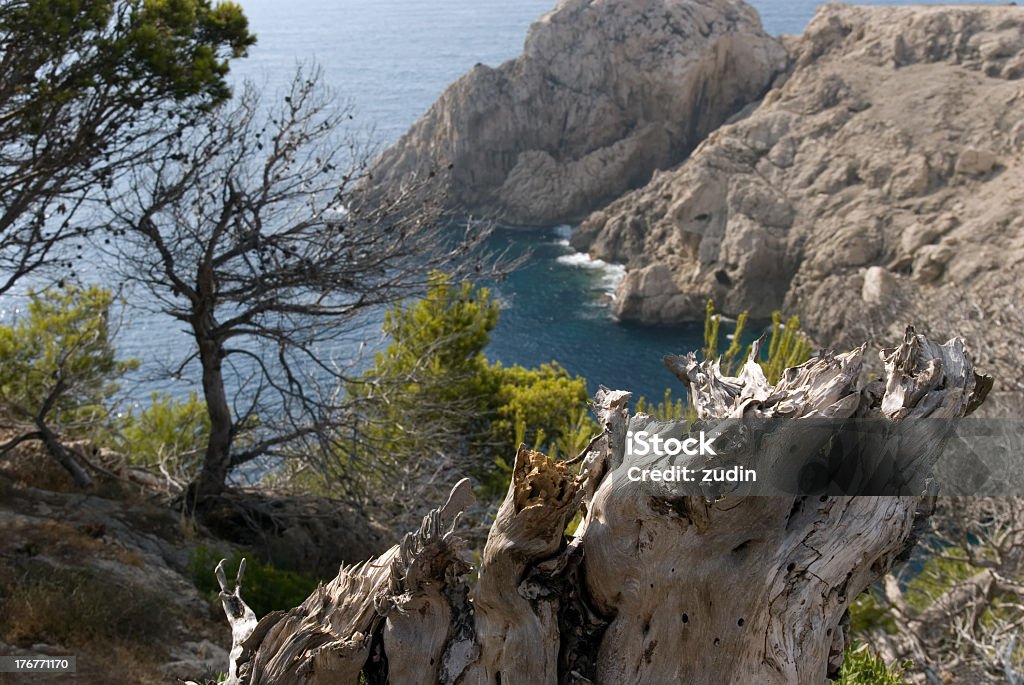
column 248, row 230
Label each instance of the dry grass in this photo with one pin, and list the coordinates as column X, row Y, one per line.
column 77, row 607
column 116, row 631
column 29, row 465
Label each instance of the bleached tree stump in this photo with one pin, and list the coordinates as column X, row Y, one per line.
column 648, row 588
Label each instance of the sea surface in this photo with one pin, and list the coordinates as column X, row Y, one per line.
column 390, row 59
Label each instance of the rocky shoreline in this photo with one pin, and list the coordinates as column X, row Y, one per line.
column 875, row 184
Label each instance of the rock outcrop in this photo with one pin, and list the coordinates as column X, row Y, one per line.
column 603, row 94
column 880, row 184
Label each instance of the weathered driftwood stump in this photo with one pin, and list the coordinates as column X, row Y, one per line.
column 649, row 588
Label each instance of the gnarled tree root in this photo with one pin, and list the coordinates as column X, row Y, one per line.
column 647, row 588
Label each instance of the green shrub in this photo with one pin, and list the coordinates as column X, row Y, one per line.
column 264, row 587
column 428, row 391
column 434, row 374
column 712, row 324
column 168, row 431
column 666, row 410
column 938, row 575
column 544, row 408
column 861, row 667
column 868, row 613
column 444, row 332
column 61, row 351
column 787, row 347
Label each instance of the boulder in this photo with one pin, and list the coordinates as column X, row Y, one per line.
column 930, row 261
column 603, row 94
column 972, row 161
column 879, row 286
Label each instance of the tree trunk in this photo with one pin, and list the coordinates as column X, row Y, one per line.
column 52, row 441
column 217, row 459
column 59, row 452
column 650, row 587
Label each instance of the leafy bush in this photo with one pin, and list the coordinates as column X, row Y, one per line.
column 427, row 391
column 264, row 587
column 59, row 360
column 939, row 575
column 867, row 613
column 168, row 431
column 542, row 407
column 861, row 667
column 444, row 333
column 432, row 390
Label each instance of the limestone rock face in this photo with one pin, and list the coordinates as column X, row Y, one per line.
column 881, row 184
column 604, row 93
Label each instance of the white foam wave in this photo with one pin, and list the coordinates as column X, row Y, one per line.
column 581, row 260
column 611, row 274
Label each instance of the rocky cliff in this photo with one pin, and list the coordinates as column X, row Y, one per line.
column 603, row 94
column 880, row 184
